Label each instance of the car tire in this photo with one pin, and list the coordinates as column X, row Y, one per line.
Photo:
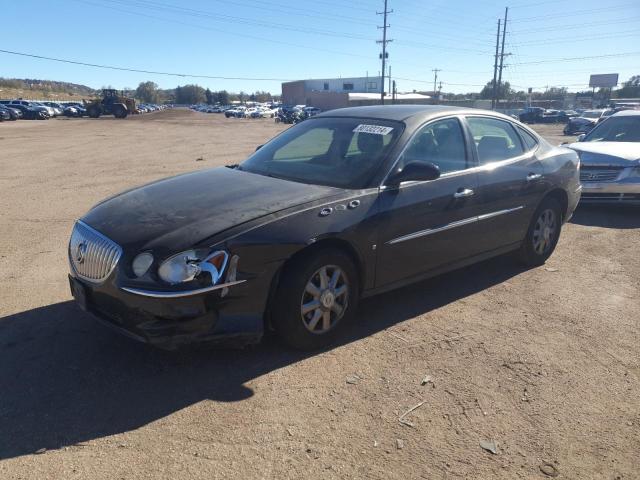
column 543, row 233
column 311, row 308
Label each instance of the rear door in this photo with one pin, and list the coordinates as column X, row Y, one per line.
column 425, row 225
column 510, row 180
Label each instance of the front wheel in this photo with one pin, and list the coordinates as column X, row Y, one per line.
column 316, row 299
column 543, row 233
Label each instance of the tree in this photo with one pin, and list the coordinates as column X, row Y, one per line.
column 190, row 94
column 147, row 92
column 504, row 90
column 261, row 96
column 209, row 95
column 222, row 97
column 242, row 96
column 630, row 89
column 553, row 93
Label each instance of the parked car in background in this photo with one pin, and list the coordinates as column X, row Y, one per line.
column 4, row 115
column 610, row 160
column 311, row 111
column 584, row 123
column 31, row 113
column 74, row 110
column 531, row 115
column 50, row 110
column 14, row 113
column 58, row 109
column 344, row 205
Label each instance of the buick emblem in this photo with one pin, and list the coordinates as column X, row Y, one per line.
column 81, row 251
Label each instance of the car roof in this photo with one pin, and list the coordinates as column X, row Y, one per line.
column 627, row 113
column 401, row 113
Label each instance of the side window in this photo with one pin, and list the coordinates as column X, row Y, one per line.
column 441, row 143
column 530, row 141
column 495, row 139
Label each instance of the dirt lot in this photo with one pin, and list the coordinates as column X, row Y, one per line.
column 545, row 362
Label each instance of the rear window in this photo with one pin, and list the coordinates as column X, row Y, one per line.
column 529, row 140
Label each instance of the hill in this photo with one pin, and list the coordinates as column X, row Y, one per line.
column 43, row 89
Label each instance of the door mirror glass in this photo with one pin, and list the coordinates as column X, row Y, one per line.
column 259, row 147
column 415, row 171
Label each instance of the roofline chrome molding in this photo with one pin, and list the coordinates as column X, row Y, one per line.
column 179, row 294
column 448, row 226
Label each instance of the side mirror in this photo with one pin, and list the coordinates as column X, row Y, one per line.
column 259, row 147
column 415, row 171
column 581, row 137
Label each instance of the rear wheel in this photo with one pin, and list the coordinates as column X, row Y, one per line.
column 316, row 299
column 543, row 233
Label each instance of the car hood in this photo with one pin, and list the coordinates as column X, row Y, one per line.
column 178, row 212
column 608, row 153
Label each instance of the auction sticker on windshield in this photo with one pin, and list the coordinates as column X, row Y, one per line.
column 375, row 129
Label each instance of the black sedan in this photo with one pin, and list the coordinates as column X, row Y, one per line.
column 344, row 205
column 9, row 113
column 30, row 113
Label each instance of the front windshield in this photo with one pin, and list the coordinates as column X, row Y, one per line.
column 338, row 152
column 592, row 114
column 616, row 129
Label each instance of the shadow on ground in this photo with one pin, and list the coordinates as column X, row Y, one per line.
column 66, row 379
column 608, row 216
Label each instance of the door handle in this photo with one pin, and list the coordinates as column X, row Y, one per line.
column 533, row 177
column 463, row 193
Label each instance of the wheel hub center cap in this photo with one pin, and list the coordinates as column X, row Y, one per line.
column 327, row 299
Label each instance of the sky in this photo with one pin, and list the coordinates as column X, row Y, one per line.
column 264, row 42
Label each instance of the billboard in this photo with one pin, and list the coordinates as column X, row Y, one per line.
column 605, row 80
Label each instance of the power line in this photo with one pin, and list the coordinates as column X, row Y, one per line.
column 578, row 25
column 581, row 39
column 570, row 59
column 217, row 30
column 226, row 18
column 151, row 72
column 573, row 13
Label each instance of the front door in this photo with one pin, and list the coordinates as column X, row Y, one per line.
column 426, row 225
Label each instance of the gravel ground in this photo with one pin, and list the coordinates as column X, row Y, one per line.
column 544, row 362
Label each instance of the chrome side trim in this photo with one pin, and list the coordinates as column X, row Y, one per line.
column 186, row 293
column 431, row 231
column 448, row 226
column 486, row 216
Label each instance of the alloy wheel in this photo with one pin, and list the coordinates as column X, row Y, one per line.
column 325, row 299
column 544, row 231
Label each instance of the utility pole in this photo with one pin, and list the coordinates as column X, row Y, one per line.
column 495, row 70
column 435, row 79
column 384, row 41
column 389, row 89
column 394, row 93
column 439, row 90
column 504, row 32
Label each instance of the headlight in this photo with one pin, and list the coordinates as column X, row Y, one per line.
column 188, row 265
column 141, row 264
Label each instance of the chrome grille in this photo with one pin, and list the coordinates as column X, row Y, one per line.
column 599, row 174
column 92, row 255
